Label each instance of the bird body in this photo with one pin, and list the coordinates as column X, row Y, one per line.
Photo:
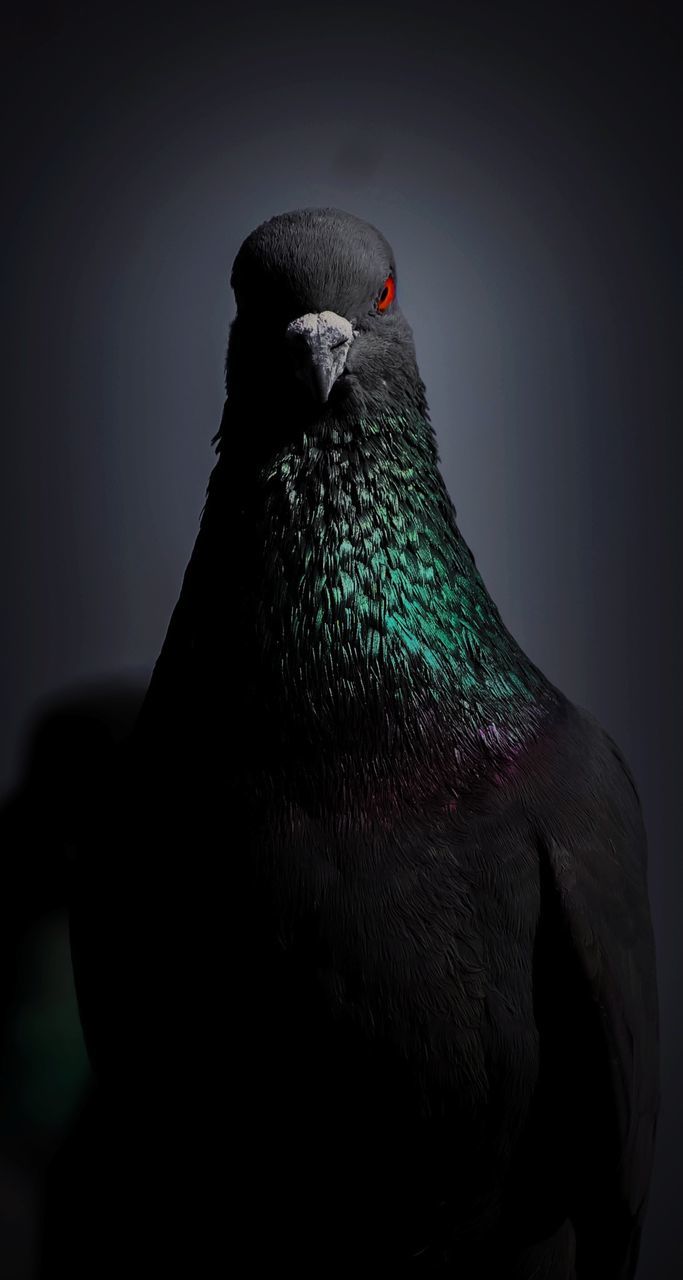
column 418, row 1017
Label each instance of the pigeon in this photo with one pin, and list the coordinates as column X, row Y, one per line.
column 364, row 953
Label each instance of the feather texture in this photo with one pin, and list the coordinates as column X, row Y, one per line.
column 383, row 887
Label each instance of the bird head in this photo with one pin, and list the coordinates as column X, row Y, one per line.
column 318, row 326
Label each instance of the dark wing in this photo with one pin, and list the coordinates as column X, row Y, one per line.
column 597, row 1002
column 125, row 883
column 138, row 900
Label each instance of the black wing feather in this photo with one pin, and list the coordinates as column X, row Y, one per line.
column 602, row 1018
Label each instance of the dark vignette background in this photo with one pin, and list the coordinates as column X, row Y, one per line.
column 525, row 163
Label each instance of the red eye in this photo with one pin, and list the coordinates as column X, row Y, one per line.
column 387, row 295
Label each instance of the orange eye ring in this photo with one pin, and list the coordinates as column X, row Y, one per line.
column 387, row 294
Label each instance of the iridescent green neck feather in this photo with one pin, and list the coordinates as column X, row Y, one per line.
column 369, row 628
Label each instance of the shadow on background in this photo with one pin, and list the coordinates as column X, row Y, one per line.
column 48, row 1110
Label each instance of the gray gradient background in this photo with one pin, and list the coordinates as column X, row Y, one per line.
column 524, row 162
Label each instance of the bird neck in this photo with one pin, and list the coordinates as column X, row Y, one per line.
column 368, row 626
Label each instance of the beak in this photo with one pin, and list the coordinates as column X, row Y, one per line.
column 321, row 341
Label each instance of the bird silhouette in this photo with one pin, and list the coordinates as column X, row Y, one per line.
column 363, row 948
